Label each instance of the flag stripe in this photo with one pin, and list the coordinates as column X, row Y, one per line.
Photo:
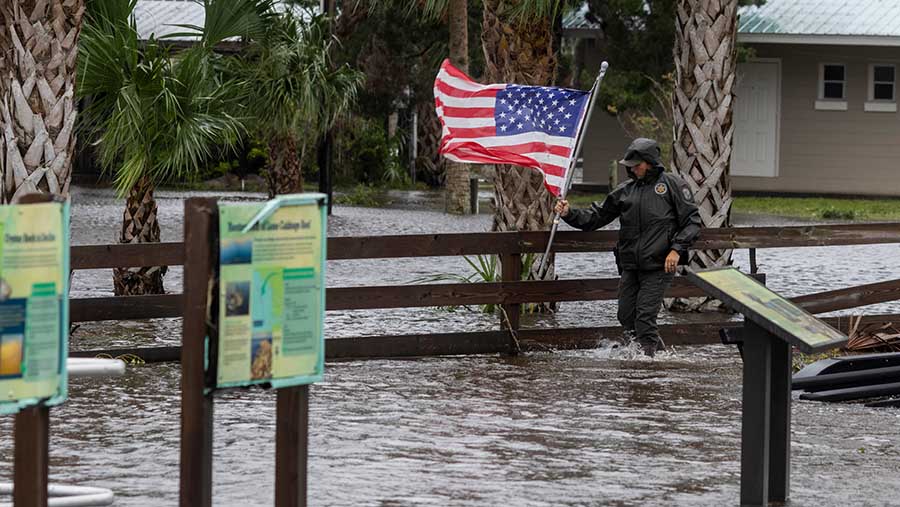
column 453, row 91
column 468, row 112
column 468, row 123
column 478, row 127
column 530, row 142
column 463, row 102
column 473, row 132
column 450, row 70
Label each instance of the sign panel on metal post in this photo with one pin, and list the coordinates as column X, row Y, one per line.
column 34, row 320
column 768, row 310
column 271, row 292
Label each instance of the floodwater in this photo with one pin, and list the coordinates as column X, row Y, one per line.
column 590, row 427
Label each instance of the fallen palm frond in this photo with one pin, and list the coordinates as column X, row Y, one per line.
column 876, row 337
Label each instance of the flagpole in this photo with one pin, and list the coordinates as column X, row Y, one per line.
column 571, row 171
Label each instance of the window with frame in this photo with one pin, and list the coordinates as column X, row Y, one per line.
column 882, row 78
column 833, row 81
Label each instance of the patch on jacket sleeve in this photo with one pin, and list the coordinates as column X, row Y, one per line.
column 686, row 192
column 661, row 189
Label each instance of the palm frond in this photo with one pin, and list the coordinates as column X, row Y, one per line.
column 152, row 113
column 293, row 89
column 527, row 12
column 229, row 20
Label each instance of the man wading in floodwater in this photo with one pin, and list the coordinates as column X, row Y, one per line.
column 658, row 222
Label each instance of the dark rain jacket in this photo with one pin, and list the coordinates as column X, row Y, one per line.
column 656, row 214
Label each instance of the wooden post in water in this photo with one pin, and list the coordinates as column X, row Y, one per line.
column 200, row 219
column 291, row 446
column 511, row 271
column 30, row 466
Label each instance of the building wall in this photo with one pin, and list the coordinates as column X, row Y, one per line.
column 831, row 152
column 850, row 152
column 604, row 139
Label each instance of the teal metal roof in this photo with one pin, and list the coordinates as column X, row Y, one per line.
column 880, row 18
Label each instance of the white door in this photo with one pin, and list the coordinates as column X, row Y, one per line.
column 756, row 120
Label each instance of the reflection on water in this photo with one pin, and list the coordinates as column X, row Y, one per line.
column 595, row 427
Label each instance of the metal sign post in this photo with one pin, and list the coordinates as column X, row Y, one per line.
column 766, row 423
column 772, row 325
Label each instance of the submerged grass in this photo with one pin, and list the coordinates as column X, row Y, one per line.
column 811, row 208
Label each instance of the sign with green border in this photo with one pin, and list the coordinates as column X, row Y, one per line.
column 767, row 309
column 34, row 305
column 271, row 292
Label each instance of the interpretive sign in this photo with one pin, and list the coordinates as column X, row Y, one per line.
column 768, row 310
column 34, row 321
column 271, row 292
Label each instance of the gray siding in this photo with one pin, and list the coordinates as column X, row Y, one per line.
column 820, row 152
column 839, row 152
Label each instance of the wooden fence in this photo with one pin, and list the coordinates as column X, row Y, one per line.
column 511, row 292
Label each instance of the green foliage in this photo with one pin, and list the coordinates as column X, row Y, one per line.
column 154, row 114
column 799, row 360
column 640, row 36
column 251, row 158
column 485, row 268
column 639, row 42
column 362, row 195
column 364, row 153
column 813, row 208
column 217, row 170
column 290, row 85
column 840, row 214
column 809, row 208
column 656, row 122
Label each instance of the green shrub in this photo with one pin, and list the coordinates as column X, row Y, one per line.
column 216, row 170
column 486, row 268
column 362, row 195
column 363, row 153
column 837, row 214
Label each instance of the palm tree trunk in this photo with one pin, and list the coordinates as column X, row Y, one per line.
column 428, row 157
column 140, row 225
column 705, row 65
column 283, row 175
column 521, row 55
column 457, row 183
column 38, row 48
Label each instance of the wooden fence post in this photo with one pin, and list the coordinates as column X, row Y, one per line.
column 291, row 446
column 200, row 220
column 511, row 271
column 30, row 464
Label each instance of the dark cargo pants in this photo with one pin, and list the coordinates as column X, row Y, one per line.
column 640, row 296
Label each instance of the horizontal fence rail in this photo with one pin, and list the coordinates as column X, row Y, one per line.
column 488, row 342
column 416, row 296
column 485, row 243
column 390, row 296
column 510, row 292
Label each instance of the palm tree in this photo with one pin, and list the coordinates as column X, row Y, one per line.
column 38, row 48
column 458, row 174
column 156, row 116
column 517, row 36
column 705, row 67
column 293, row 92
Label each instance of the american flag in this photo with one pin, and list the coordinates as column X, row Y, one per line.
column 528, row 126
